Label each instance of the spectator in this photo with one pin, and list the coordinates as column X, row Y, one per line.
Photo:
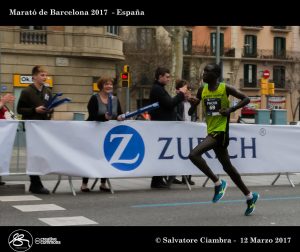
column 98, row 111
column 166, row 110
column 32, row 105
column 4, row 113
column 182, row 115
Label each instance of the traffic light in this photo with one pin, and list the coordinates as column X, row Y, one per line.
column 125, row 76
column 126, row 68
column 264, row 86
column 271, row 88
column 125, row 79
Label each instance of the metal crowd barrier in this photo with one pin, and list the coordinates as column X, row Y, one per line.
column 18, row 165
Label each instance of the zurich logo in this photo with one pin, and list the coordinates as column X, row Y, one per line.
column 124, row 148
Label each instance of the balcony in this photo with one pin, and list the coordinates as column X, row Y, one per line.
column 207, row 51
column 253, row 85
column 33, row 37
column 252, row 28
column 249, row 53
column 63, row 43
column 229, row 52
column 280, row 55
column 281, row 28
column 202, row 50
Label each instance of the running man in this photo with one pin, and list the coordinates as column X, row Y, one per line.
column 214, row 96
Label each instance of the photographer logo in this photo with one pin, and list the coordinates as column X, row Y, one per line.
column 124, row 148
column 20, row 240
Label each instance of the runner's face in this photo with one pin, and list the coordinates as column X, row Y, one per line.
column 209, row 74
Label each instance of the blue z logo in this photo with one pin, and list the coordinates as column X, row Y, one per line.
column 124, row 148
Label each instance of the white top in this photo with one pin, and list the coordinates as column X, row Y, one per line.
column 186, row 116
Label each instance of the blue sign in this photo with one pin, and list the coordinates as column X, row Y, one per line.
column 124, row 148
column 3, row 88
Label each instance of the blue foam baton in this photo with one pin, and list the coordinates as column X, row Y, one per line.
column 53, row 99
column 58, row 102
column 140, row 110
column 109, row 104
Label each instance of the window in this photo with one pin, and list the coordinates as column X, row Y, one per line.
column 112, row 29
column 250, row 73
column 213, row 43
column 250, row 46
column 279, row 47
column 145, row 38
column 279, row 76
column 187, row 43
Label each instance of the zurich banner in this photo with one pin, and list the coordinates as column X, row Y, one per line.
column 144, row 148
column 8, row 131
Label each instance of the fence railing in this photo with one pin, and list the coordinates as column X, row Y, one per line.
column 33, row 37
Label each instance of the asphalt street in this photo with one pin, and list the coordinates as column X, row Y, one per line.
column 135, row 204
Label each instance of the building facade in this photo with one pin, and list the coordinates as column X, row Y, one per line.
column 246, row 52
column 75, row 56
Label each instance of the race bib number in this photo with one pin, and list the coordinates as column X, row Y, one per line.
column 213, row 105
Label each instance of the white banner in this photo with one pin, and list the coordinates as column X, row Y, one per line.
column 8, row 131
column 145, row 148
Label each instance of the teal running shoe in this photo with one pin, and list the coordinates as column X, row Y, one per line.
column 219, row 191
column 251, row 204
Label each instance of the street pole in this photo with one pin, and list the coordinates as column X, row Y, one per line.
column 0, row 61
column 218, row 52
column 299, row 108
column 218, row 45
column 127, row 99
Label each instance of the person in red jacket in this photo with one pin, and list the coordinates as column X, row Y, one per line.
column 8, row 98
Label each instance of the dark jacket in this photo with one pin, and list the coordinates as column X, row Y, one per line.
column 93, row 109
column 167, row 104
column 32, row 98
column 179, row 112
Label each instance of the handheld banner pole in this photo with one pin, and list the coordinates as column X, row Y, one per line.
column 140, row 110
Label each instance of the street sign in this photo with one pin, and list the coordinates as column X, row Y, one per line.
column 266, row 74
column 3, row 88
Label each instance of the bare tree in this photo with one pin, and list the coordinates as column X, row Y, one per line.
column 293, row 85
column 143, row 60
column 176, row 34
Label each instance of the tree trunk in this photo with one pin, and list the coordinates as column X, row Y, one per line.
column 177, row 33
